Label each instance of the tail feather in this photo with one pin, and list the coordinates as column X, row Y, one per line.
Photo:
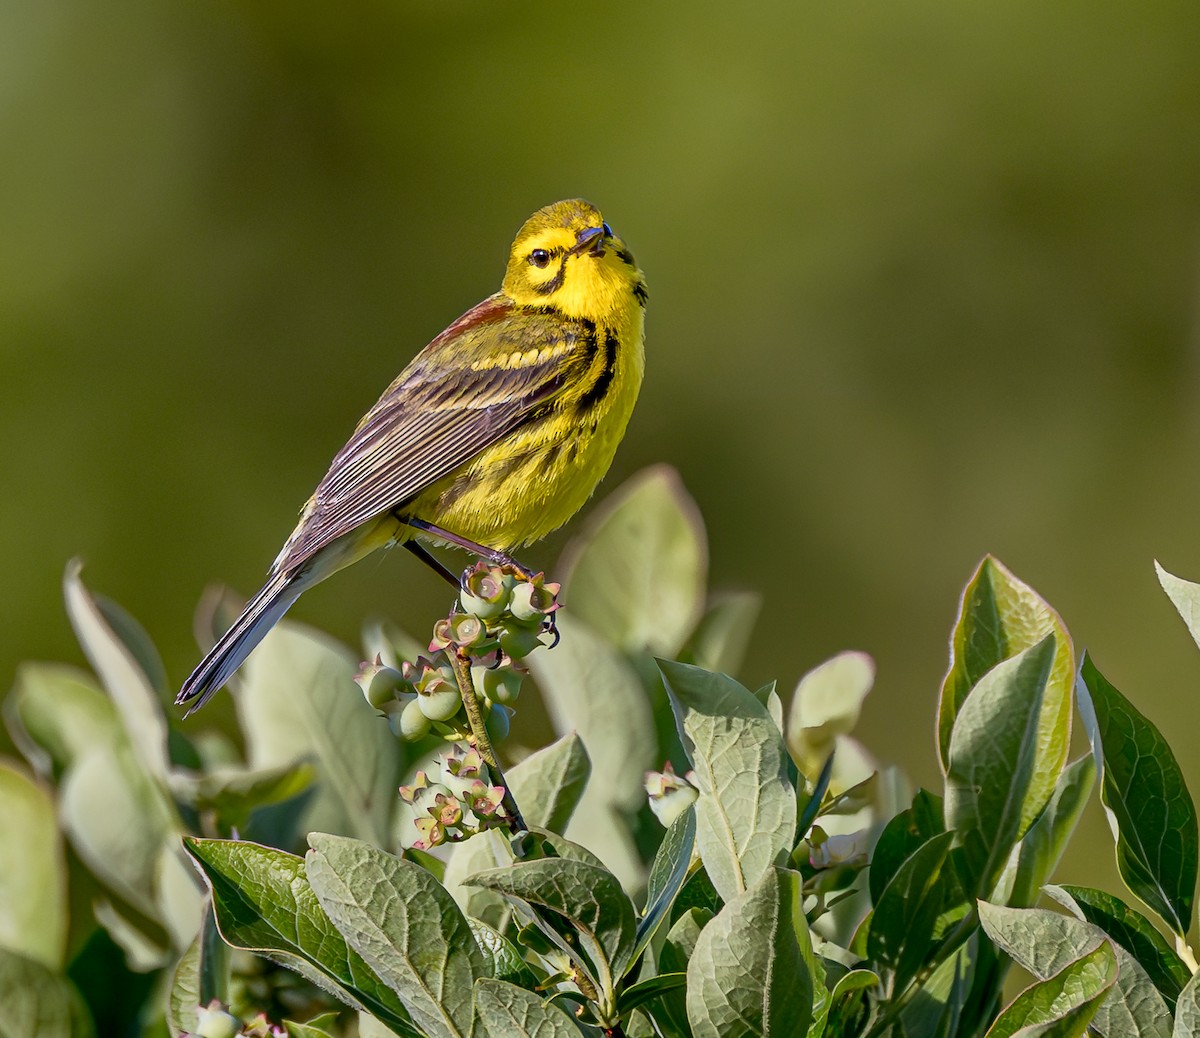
column 262, row 612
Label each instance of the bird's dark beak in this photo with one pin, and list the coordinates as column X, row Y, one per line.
column 589, row 240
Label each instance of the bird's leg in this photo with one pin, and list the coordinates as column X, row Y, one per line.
column 427, row 557
column 492, row 555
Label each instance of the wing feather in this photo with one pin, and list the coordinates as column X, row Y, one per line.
column 459, row 395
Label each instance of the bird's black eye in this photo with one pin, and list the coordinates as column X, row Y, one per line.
column 539, row 257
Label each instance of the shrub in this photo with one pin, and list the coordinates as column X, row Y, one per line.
column 692, row 859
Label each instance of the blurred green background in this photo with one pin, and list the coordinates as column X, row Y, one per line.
column 923, row 286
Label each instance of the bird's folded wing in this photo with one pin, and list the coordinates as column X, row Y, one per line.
column 476, row 382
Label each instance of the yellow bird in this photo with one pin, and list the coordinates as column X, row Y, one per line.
column 494, row 435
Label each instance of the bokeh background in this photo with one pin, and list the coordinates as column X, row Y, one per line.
column 923, row 286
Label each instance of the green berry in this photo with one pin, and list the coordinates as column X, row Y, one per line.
column 517, row 643
column 413, row 721
column 499, row 684
column 441, row 704
column 498, row 723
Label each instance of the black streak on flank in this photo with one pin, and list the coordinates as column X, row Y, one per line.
column 599, row 388
column 639, row 293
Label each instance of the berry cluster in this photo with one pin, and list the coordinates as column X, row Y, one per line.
column 458, row 803
column 501, row 616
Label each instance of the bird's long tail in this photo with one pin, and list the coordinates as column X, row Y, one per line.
column 262, row 612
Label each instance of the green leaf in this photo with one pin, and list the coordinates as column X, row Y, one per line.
column 1044, row 942
column 939, row 1002
column 1185, row 596
column 639, row 994
column 586, row 894
column 547, row 785
column 33, row 878
column 296, row 1030
column 55, row 714
column 637, row 573
column 298, row 701
column 1063, row 1005
column 1037, row 855
column 404, row 924
column 1187, row 1010
column 37, row 1003
column 118, row 822
column 668, row 873
column 720, row 640
column 670, row 1011
column 507, row 1011
column 1132, row 931
column 827, row 703
column 233, row 794
column 903, row 920
column 120, row 670
column 590, row 688
column 993, row 756
column 847, row 993
column 1149, row 807
column 1000, row 616
column 750, row 972
column 502, row 959
column 183, row 996
column 264, row 904
column 902, row 835
column 746, row 813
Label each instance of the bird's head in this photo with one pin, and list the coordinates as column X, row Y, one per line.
column 567, row 257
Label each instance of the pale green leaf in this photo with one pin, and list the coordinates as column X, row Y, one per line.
column 298, row 701
column 264, row 903
column 1061, row 1006
column 118, row 822
column 547, row 786
column 827, row 703
column 1044, row 942
column 183, row 996
column 1034, row 859
column 994, row 753
column 405, row 926
column 122, row 674
column 1185, row 596
column 56, row 713
column 749, row 973
column 502, row 959
column 33, row 879
column 38, row 1003
column 1187, row 1010
column 1132, row 931
column 507, row 1011
column 746, row 813
column 638, row 571
column 1000, row 616
column 720, row 640
column 587, row 895
column 590, row 688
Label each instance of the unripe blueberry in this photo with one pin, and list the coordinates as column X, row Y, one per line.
column 498, row 723
column 499, row 684
column 440, row 704
column 413, row 721
column 212, row 1021
column 518, row 643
